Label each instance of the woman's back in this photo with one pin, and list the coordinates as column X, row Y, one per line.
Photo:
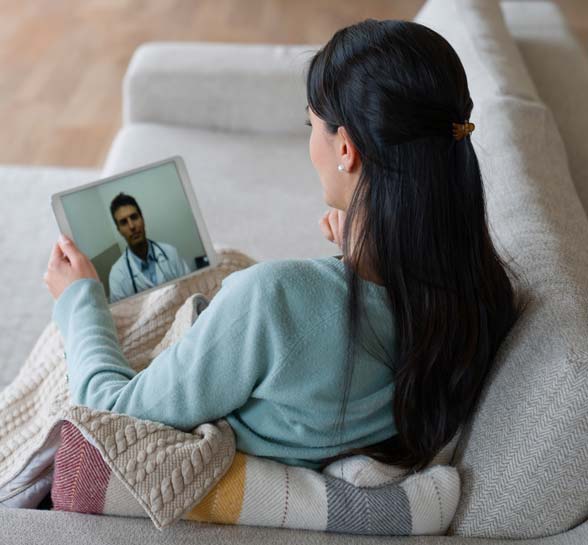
column 293, row 411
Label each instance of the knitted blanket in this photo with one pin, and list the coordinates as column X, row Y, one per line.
column 108, row 463
column 158, row 472
column 34, row 405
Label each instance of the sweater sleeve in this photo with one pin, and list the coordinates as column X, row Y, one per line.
column 207, row 374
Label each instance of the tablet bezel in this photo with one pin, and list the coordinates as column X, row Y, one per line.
column 65, row 228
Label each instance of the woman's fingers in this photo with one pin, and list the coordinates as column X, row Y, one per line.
column 69, row 249
column 334, row 223
column 331, row 224
column 340, row 223
column 326, row 227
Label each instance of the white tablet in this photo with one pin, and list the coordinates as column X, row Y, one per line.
column 142, row 228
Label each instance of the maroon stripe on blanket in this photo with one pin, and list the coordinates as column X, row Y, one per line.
column 81, row 476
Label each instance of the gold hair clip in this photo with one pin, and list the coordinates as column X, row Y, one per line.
column 462, row 129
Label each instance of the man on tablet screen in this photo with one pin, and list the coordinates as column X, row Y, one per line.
column 145, row 263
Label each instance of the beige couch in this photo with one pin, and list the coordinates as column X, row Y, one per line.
column 236, row 113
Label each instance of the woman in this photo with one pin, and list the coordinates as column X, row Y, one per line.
column 383, row 352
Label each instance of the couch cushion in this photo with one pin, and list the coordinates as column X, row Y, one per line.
column 259, row 194
column 255, row 88
column 31, row 527
column 523, row 457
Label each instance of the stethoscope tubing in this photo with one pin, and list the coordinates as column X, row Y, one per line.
column 154, row 257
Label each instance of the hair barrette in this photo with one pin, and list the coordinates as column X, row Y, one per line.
column 462, row 129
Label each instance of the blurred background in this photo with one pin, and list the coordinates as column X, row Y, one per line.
column 62, row 61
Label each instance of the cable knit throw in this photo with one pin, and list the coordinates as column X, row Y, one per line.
column 33, row 406
column 108, row 463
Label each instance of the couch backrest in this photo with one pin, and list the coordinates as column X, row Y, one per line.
column 558, row 65
column 523, row 457
column 225, row 87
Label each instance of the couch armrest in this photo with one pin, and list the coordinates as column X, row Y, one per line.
column 232, row 87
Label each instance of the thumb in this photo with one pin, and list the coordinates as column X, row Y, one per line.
column 68, row 248
column 56, row 257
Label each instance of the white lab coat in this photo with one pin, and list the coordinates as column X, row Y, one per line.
column 166, row 269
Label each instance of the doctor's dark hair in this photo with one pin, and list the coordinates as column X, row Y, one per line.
column 420, row 214
column 122, row 199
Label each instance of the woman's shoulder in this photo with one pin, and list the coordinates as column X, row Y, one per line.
column 289, row 285
column 290, row 273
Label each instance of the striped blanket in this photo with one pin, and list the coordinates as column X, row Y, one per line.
column 168, row 475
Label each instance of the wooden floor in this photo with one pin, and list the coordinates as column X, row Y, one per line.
column 62, row 61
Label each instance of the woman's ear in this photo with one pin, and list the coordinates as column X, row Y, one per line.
column 348, row 154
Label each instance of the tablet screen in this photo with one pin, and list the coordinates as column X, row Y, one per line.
column 137, row 229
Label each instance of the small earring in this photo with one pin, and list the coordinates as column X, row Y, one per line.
column 341, row 168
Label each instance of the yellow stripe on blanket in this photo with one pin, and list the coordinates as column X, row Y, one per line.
column 223, row 503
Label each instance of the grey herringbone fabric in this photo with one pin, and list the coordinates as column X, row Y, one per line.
column 523, row 457
column 551, row 53
column 354, row 510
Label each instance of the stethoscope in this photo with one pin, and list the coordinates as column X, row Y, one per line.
column 154, row 257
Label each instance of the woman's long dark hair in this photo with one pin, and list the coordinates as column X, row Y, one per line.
column 420, row 213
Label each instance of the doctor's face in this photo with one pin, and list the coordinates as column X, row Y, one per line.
column 130, row 224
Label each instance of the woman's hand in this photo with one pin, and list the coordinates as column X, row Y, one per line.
column 331, row 225
column 66, row 265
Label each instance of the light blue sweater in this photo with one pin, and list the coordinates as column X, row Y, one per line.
column 268, row 353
